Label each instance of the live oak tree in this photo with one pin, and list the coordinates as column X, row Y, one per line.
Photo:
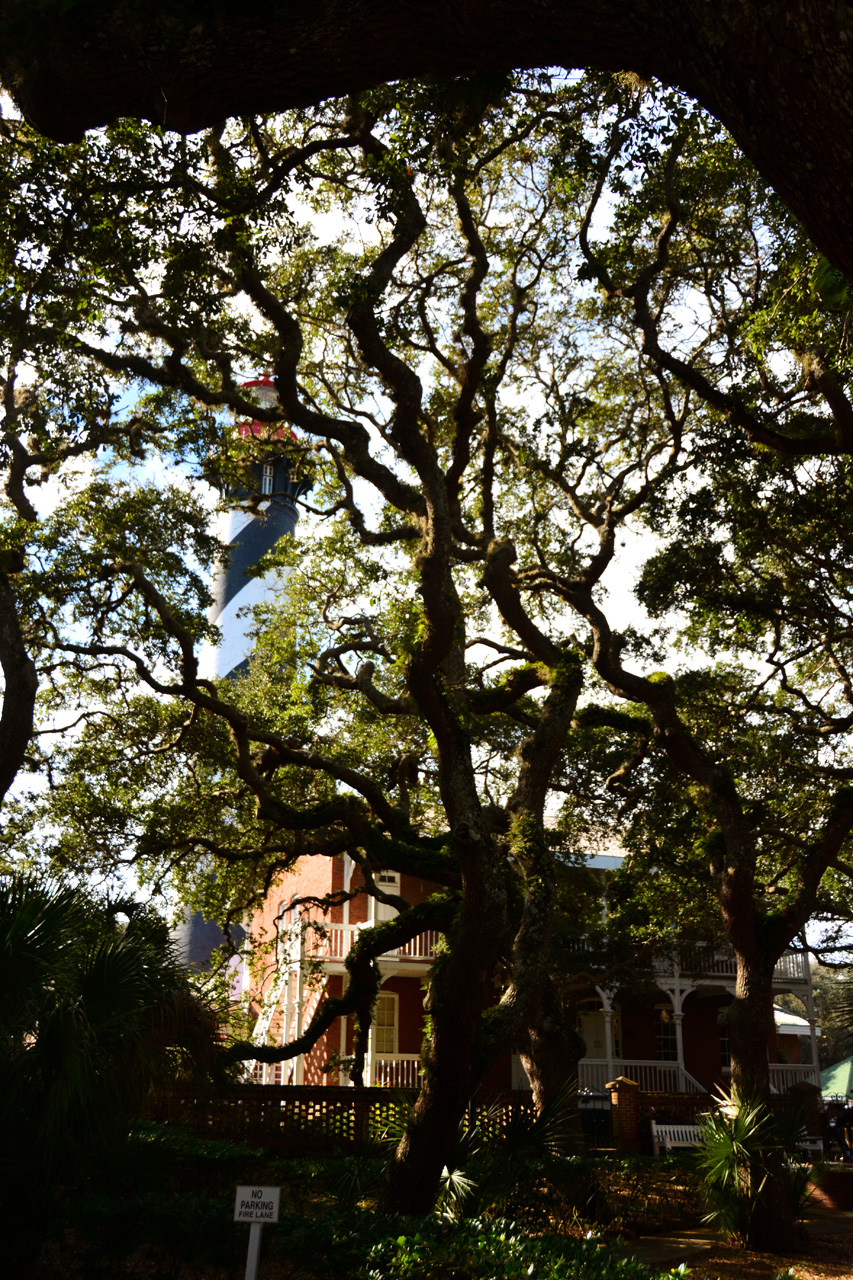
column 754, row 809
column 489, row 388
column 482, row 830
column 736, row 788
column 777, row 73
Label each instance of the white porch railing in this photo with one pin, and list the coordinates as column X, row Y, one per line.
column 719, row 962
column 793, row 964
column 784, row 1074
column 705, row 961
column 334, row 942
column 396, row 1071
column 652, row 1077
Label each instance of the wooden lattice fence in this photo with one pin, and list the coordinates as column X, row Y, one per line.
column 295, row 1118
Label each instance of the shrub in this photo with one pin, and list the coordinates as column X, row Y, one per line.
column 483, row 1250
column 744, row 1145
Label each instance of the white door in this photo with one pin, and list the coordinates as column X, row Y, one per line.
column 388, row 882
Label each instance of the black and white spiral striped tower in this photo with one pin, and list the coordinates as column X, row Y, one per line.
column 250, row 533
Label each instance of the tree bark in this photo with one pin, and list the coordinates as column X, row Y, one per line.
column 415, row 1175
column 19, row 674
column 550, row 1051
column 749, row 1022
column 455, row 1003
column 778, row 73
column 773, row 1227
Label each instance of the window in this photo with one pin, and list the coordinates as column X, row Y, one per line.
column 387, row 882
column 666, row 1044
column 267, row 478
column 385, row 1024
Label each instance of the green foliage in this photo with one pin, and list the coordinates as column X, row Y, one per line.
column 96, row 1020
column 744, row 1147
column 833, row 997
column 473, row 299
column 493, row 1250
column 164, row 1201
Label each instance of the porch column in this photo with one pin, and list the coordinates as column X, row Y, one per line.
column 608, row 1040
column 348, row 870
column 368, row 1060
column 607, row 1010
column 812, row 1021
column 677, row 990
column 288, row 1011
column 679, row 1038
column 343, row 1049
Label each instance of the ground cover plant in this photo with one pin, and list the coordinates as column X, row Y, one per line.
column 162, row 1208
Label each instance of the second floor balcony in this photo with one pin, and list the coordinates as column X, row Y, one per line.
column 333, row 943
column 692, row 962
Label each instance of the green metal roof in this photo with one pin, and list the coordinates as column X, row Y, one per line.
column 838, row 1079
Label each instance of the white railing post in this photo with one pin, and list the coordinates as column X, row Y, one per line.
column 369, row 1062
column 812, row 1020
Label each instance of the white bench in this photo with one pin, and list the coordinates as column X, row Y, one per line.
column 666, row 1137
column 810, row 1146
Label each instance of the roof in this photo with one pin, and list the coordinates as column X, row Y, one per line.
column 789, row 1024
column 605, row 861
column 837, row 1080
column 266, row 395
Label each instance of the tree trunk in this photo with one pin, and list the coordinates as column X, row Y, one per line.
column 550, row 1051
column 448, row 1083
column 415, row 1176
column 21, row 680
column 750, row 1022
column 776, row 72
column 773, row 1227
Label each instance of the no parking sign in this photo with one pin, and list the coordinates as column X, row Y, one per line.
column 256, row 1205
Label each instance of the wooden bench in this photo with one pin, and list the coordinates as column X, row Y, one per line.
column 667, row 1137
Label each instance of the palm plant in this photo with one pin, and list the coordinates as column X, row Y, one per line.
column 743, row 1145
column 495, row 1163
column 94, row 1018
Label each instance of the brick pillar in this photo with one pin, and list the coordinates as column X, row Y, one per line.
column 624, row 1101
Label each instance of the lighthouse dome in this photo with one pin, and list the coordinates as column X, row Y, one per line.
column 262, row 390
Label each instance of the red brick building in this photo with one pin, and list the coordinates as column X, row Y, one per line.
column 664, row 1031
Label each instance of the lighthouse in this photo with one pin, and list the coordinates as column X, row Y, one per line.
column 251, row 529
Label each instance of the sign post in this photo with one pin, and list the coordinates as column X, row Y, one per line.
column 256, row 1205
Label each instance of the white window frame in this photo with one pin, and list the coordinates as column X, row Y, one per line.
column 666, row 1036
column 267, row 477
column 392, row 998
